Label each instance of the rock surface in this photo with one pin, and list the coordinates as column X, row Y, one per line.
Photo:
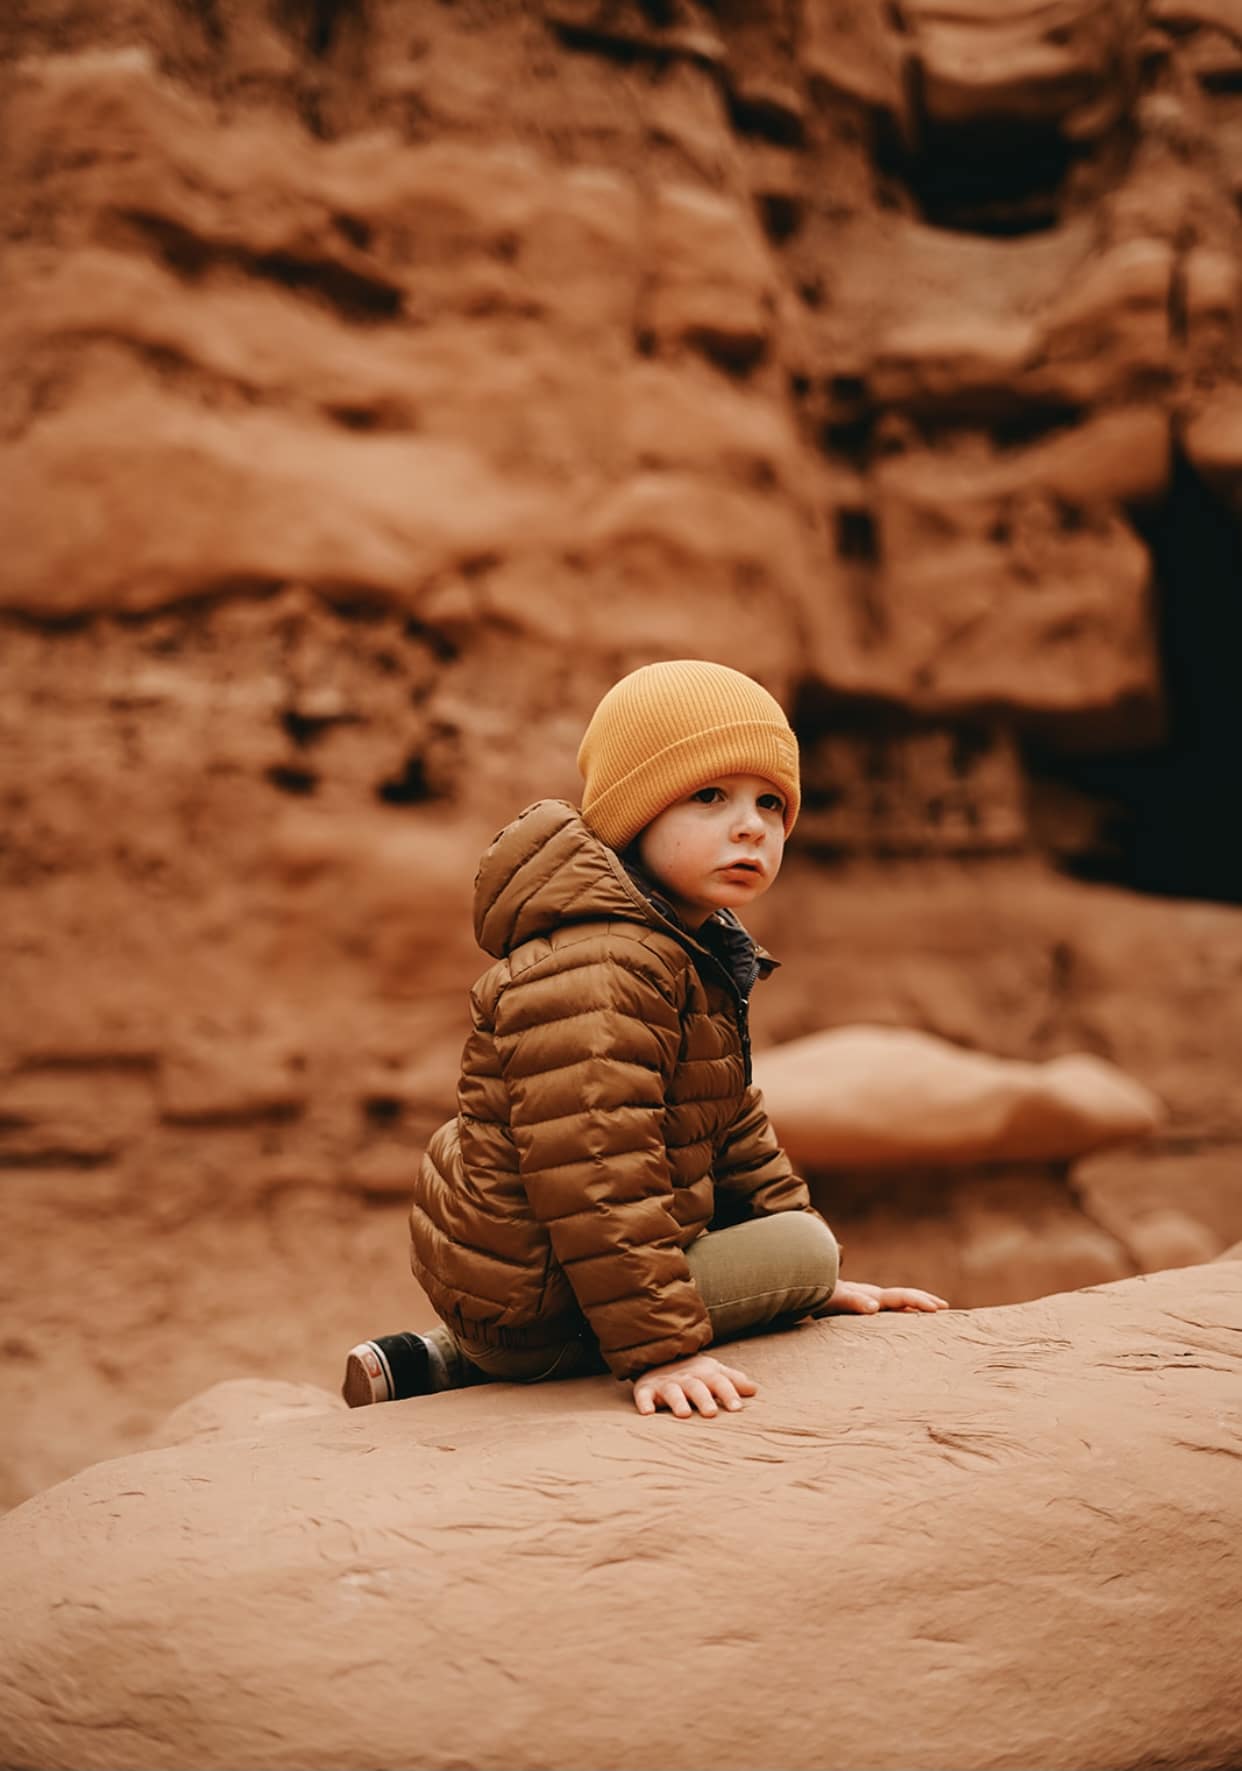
column 997, row 1539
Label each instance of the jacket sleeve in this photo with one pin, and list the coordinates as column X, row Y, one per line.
column 587, row 1050
column 752, row 1170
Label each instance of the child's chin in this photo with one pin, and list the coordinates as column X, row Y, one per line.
column 730, row 896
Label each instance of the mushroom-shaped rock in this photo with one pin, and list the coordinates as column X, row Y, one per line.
column 874, row 1097
column 1004, row 1539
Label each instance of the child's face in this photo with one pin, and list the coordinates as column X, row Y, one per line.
column 718, row 848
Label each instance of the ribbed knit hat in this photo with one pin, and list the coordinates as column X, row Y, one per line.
column 668, row 728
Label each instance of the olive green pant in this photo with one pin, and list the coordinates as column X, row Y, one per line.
column 750, row 1276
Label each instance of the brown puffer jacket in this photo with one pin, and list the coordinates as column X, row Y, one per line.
column 605, row 1116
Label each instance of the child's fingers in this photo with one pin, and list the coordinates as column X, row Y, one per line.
column 698, row 1393
column 723, row 1390
column 854, row 1299
column 673, row 1397
column 742, row 1385
column 704, row 1390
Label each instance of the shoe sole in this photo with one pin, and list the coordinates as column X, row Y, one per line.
column 368, row 1378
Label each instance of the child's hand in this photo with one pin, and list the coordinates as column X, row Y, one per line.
column 688, row 1384
column 864, row 1300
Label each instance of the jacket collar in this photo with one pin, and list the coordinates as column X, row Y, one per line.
column 723, row 937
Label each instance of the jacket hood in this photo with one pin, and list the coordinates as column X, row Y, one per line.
column 544, row 869
column 547, row 868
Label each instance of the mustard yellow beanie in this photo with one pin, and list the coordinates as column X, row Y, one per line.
column 668, row 728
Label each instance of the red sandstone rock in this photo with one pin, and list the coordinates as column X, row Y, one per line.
column 381, row 382
column 878, row 1097
column 239, row 1407
column 999, row 1539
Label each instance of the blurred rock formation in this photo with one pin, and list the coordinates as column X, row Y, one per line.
column 957, row 1170
column 380, row 381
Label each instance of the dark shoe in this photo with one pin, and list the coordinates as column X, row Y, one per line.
column 387, row 1369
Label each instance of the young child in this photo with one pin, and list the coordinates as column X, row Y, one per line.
column 610, row 1194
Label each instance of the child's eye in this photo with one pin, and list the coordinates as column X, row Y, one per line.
column 707, row 795
column 772, row 802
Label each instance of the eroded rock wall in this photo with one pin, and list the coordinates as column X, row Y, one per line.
column 379, row 383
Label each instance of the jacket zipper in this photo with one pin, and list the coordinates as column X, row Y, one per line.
column 743, row 1027
column 742, row 1004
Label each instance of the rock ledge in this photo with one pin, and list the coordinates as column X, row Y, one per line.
column 1001, row 1538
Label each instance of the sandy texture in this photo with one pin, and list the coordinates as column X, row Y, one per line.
column 999, row 1539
